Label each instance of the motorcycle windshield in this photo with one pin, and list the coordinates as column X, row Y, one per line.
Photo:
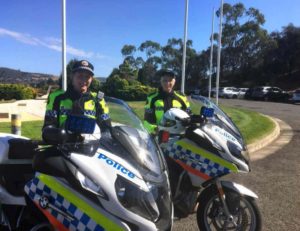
column 219, row 115
column 139, row 147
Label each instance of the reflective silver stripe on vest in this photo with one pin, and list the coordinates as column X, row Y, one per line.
column 159, row 108
column 64, row 111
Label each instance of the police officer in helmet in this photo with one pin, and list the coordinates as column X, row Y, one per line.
column 77, row 100
column 162, row 100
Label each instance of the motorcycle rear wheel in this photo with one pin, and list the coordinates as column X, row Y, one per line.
column 43, row 227
column 244, row 210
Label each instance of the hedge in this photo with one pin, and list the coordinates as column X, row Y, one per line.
column 130, row 90
column 16, row 91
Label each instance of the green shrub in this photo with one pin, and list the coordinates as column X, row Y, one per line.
column 130, row 90
column 16, row 91
column 134, row 93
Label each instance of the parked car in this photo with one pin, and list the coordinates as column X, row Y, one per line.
column 260, row 92
column 242, row 93
column 197, row 92
column 212, row 93
column 248, row 94
column 228, row 92
column 296, row 96
column 269, row 93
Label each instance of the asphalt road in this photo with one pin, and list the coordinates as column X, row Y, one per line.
column 276, row 178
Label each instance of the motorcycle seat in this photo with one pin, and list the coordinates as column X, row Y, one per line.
column 21, row 149
column 17, row 169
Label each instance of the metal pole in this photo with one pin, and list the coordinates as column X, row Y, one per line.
column 211, row 53
column 64, row 71
column 219, row 55
column 16, row 124
column 184, row 46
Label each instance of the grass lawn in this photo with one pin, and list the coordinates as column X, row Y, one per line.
column 30, row 129
column 252, row 125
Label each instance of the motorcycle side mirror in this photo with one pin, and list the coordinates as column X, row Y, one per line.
column 53, row 135
column 186, row 122
column 207, row 112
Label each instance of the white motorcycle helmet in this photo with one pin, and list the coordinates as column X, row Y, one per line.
column 172, row 121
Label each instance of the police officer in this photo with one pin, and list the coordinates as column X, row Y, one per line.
column 162, row 100
column 77, row 100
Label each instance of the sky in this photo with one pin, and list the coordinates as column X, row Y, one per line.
column 30, row 30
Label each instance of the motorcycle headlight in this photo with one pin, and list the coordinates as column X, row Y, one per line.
column 136, row 200
column 90, row 185
column 238, row 152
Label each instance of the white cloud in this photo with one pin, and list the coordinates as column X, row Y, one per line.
column 24, row 38
column 49, row 42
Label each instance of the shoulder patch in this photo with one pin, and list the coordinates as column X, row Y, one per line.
column 98, row 95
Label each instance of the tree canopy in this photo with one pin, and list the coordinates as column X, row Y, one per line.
column 250, row 55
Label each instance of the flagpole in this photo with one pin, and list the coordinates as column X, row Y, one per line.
column 64, row 58
column 211, row 53
column 184, row 46
column 219, row 54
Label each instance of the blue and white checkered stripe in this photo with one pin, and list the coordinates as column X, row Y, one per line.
column 196, row 161
column 64, row 111
column 36, row 189
column 51, row 113
column 149, row 110
column 89, row 113
column 105, row 116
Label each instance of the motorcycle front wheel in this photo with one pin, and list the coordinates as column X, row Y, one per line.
column 245, row 215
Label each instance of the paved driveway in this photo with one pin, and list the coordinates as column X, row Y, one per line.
column 276, row 178
column 28, row 109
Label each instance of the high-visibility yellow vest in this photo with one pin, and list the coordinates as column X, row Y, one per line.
column 158, row 103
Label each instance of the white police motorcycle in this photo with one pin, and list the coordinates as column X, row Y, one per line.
column 199, row 150
column 119, row 182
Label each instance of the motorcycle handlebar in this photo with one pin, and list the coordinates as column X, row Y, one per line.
column 194, row 119
column 197, row 119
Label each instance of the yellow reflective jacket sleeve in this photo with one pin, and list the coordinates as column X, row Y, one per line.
column 51, row 113
column 149, row 116
column 185, row 101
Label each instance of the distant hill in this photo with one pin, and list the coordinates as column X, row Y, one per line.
column 101, row 79
column 8, row 75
